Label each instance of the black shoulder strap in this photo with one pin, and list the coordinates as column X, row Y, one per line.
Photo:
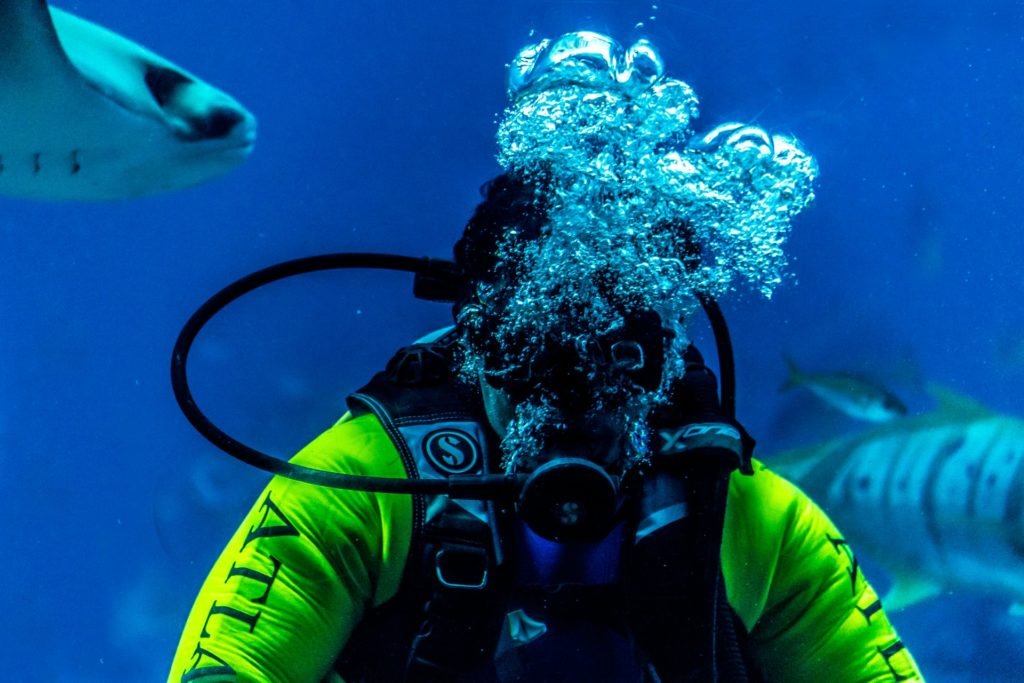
column 434, row 421
column 450, row 585
column 674, row 579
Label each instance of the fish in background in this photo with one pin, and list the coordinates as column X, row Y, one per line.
column 86, row 114
column 855, row 396
column 937, row 500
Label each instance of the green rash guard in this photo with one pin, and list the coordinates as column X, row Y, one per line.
column 308, row 561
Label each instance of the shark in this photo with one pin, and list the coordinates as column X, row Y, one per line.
column 88, row 115
column 936, row 499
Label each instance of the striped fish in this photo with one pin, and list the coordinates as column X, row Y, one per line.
column 937, row 499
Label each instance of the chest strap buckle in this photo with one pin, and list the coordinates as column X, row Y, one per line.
column 462, row 567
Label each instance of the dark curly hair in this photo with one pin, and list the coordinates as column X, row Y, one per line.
column 511, row 205
column 514, row 203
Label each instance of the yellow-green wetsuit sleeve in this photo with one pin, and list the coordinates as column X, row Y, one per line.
column 796, row 585
column 307, row 561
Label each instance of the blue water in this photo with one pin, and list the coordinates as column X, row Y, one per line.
column 377, row 125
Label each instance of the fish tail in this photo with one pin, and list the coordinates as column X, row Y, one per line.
column 795, row 377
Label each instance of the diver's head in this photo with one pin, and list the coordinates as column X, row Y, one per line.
column 566, row 357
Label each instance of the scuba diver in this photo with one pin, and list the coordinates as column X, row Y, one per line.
column 556, row 486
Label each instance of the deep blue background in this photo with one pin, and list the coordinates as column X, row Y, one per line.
column 377, row 127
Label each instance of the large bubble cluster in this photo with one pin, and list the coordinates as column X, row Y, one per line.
column 642, row 214
column 614, row 138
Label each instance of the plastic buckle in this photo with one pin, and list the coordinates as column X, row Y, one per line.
column 462, row 568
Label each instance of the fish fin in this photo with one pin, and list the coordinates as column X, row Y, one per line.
column 796, row 464
column 30, row 50
column 1017, row 609
column 908, row 590
column 795, row 377
column 954, row 403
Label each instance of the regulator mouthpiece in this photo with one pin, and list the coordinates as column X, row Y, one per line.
column 569, row 500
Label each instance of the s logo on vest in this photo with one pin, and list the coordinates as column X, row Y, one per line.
column 451, row 451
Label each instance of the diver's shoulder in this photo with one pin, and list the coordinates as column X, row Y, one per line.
column 354, row 444
column 764, row 478
column 766, row 493
column 354, row 428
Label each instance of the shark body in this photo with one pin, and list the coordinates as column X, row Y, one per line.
column 937, row 499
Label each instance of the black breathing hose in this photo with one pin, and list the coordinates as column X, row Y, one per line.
column 723, row 345
column 469, row 486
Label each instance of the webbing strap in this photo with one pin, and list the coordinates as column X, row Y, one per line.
column 461, row 618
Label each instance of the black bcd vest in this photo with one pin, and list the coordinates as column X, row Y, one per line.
column 484, row 600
